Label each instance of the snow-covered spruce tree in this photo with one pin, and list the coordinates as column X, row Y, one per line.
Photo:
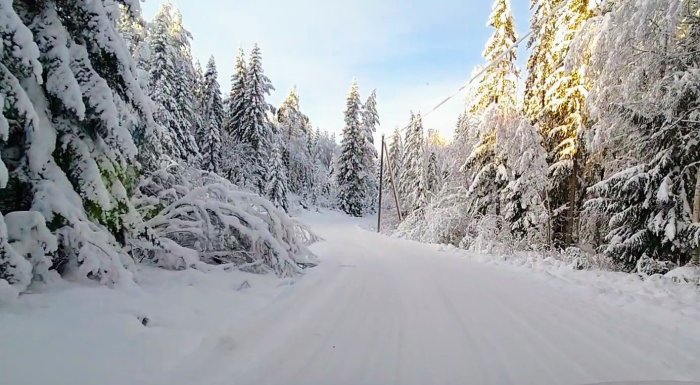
column 212, row 108
column 395, row 149
column 236, row 99
column 186, row 78
column 324, row 151
column 237, row 157
column 485, row 167
column 645, row 103
column 540, row 64
column 295, row 138
column 164, row 86
column 71, row 101
column 433, row 179
column 524, row 198
column 563, row 120
column 134, row 30
column 256, row 129
column 352, row 171
column 412, row 181
column 494, row 102
column 499, row 83
column 277, row 179
column 370, row 120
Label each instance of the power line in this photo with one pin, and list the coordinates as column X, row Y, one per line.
column 490, row 65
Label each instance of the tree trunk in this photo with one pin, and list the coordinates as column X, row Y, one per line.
column 696, row 214
column 573, row 185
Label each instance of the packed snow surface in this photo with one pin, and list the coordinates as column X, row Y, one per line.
column 377, row 310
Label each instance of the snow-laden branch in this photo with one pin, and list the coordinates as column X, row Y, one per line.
column 205, row 218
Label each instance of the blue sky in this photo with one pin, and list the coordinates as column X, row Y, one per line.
column 414, row 53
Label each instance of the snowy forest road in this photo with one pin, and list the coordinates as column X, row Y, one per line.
column 384, row 311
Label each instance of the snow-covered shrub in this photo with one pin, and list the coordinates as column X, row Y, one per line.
column 28, row 236
column 15, row 270
column 442, row 221
column 487, row 234
column 649, row 266
column 579, row 259
column 213, row 221
column 685, row 274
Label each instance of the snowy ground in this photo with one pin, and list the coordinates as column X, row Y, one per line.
column 377, row 311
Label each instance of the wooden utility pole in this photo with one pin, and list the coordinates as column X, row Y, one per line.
column 393, row 184
column 385, row 153
column 381, row 186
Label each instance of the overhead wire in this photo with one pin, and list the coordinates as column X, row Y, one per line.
column 494, row 62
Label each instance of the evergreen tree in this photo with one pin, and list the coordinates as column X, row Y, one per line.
column 540, row 65
column 352, row 173
column 395, row 155
column 256, row 130
column 277, row 180
column 236, row 99
column 296, row 135
column 433, row 175
column 164, row 86
column 499, row 83
column 71, row 101
column 134, row 30
column 524, row 197
column 495, row 105
column 370, row 120
column 209, row 135
column 564, row 118
column 645, row 109
column 413, row 189
column 185, row 81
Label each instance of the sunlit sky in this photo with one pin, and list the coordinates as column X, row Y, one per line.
column 414, row 53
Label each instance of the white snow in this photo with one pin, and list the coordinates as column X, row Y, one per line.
column 377, row 310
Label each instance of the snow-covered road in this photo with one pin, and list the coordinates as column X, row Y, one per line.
column 385, row 311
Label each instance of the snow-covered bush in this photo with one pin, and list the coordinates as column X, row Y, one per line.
column 28, row 236
column 442, row 221
column 487, row 234
column 685, row 274
column 649, row 266
column 578, row 259
column 202, row 217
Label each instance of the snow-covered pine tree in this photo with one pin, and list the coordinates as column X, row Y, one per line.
column 256, row 128
column 395, row 150
column 646, row 110
column 412, row 180
column 134, row 30
column 352, row 172
column 563, row 120
column 524, row 198
column 276, row 182
column 295, row 137
column 71, row 102
column 236, row 99
column 166, row 61
column 433, row 179
column 540, row 65
column 499, row 83
column 209, row 135
column 370, row 120
column 495, row 103
column 185, row 82
column 395, row 156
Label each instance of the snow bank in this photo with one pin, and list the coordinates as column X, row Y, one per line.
column 71, row 333
column 677, row 292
